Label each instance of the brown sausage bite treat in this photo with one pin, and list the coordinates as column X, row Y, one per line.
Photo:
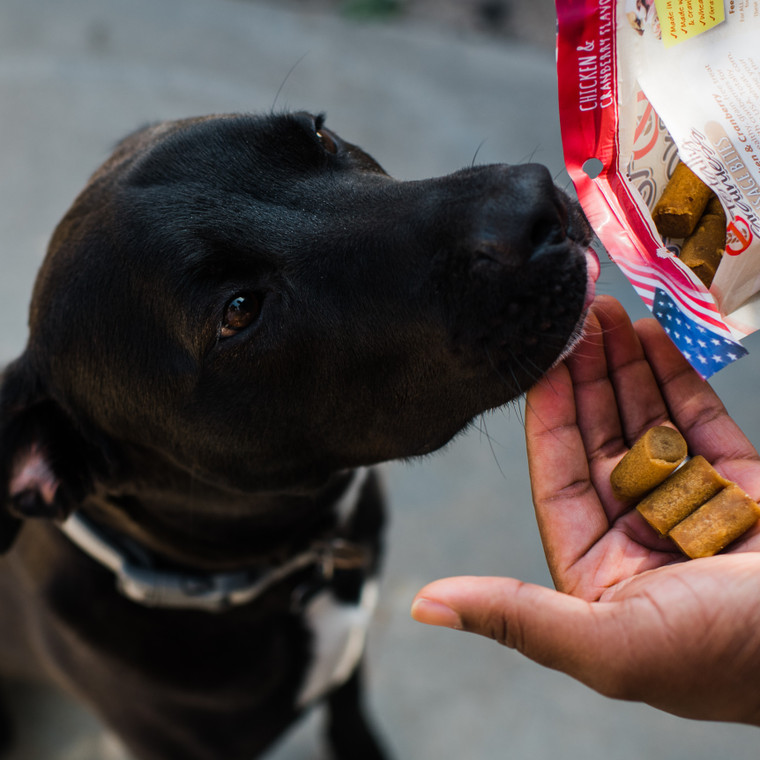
column 689, row 209
column 693, row 505
column 717, row 523
column 681, row 494
column 651, row 459
column 681, row 204
column 703, row 249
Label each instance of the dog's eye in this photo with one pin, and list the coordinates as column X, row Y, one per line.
column 329, row 143
column 241, row 312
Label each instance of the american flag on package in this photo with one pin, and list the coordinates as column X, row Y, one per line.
column 645, row 85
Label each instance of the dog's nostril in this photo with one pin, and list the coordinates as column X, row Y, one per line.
column 545, row 231
column 488, row 255
column 486, row 252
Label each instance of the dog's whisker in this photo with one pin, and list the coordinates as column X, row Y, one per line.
column 284, row 81
column 518, row 409
column 491, row 446
column 477, row 150
column 537, row 371
column 530, row 156
column 515, row 387
column 533, row 373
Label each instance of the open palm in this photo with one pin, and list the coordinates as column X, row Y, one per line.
column 631, row 617
column 580, row 421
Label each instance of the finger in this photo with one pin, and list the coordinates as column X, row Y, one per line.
column 698, row 412
column 616, row 395
column 568, row 511
column 551, row 628
column 641, row 403
column 596, row 405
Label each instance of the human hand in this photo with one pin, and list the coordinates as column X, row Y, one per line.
column 631, row 617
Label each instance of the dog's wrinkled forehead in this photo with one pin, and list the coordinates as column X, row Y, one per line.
column 176, row 186
column 174, row 191
column 234, row 150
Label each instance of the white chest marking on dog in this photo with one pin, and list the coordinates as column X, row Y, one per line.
column 339, row 633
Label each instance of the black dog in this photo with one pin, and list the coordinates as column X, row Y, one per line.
column 236, row 317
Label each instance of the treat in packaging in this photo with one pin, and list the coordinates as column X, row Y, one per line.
column 703, row 249
column 645, row 85
column 682, row 203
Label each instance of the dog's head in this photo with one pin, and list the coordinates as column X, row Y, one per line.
column 254, row 301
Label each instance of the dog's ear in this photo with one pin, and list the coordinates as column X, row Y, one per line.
column 44, row 468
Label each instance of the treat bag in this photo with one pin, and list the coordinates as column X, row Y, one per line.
column 642, row 84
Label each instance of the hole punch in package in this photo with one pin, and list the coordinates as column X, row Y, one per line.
column 646, row 85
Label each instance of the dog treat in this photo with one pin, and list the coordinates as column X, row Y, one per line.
column 677, row 497
column 703, row 249
column 697, row 508
column 650, row 460
column 681, row 204
column 716, row 523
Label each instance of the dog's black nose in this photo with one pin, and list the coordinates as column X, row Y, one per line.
column 522, row 217
column 545, row 214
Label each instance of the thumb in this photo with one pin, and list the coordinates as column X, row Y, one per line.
column 551, row 628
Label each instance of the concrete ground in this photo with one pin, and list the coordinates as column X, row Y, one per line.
column 75, row 75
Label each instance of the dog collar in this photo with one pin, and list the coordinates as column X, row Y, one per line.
column 215, row 592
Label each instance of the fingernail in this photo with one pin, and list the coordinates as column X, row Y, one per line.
column 435, row 613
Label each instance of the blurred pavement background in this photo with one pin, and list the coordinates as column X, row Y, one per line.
column 424, row 93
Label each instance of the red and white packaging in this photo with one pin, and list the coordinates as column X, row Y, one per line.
column 642, row 83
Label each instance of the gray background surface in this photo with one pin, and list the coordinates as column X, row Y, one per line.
column 423, row 98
